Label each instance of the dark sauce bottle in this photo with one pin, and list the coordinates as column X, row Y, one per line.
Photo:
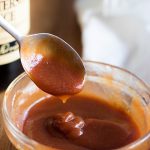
column 16, row 12
column 8, row 72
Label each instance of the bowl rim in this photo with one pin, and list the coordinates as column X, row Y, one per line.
column 22, row 137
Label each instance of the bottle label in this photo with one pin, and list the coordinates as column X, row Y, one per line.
column 9, row 52
column 17, row 13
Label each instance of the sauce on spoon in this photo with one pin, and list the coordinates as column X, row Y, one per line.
column 52, row 64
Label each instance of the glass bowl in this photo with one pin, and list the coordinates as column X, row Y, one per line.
column 116, row 86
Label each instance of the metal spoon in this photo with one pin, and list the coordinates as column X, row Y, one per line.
column 52, row 64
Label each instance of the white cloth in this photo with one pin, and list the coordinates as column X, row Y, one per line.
column 117, row 32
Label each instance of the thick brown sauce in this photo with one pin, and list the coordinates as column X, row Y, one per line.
column 52, row 64
column 82, row 123
column 53, row 77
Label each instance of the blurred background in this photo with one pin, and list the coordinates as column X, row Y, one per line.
column 110, row 31
column 57, row 17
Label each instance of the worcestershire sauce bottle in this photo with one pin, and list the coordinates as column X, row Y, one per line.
column 15, row 12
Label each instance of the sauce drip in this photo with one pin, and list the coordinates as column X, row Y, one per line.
column 68, row 124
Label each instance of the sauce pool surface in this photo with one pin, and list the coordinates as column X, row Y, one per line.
column 82, row 123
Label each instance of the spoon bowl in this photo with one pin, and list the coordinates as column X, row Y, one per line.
column 52, row 64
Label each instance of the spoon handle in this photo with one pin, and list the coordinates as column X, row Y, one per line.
column 10, row 29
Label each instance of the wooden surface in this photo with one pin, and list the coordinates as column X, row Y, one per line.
column 52, row 16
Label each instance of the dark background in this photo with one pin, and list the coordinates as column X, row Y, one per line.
column 50, row 16
column 57, row 17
